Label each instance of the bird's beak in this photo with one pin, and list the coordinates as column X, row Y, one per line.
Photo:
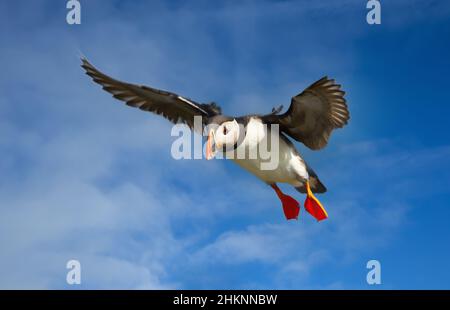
column 210, row 145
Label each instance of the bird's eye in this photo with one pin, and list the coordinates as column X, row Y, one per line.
column 225, row 131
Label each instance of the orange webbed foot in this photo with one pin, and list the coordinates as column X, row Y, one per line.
column 291, row 207
column 313, row 205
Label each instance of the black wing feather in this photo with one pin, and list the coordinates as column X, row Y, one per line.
column 173, row 107
column 314, row 114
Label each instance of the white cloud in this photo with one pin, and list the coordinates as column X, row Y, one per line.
column 359, row 223
column 84, row 177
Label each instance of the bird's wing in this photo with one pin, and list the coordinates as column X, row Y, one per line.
column 173, row 107
column 314, row 114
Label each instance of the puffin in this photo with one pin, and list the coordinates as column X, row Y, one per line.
column 310, row 119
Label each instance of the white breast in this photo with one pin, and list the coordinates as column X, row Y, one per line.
column 270, row 162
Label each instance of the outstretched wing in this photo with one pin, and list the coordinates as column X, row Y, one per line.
column 173, row 107
column 314, row 114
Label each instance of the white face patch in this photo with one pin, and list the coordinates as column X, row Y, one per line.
column 227, row 134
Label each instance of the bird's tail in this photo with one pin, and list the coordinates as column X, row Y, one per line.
column 315, row 185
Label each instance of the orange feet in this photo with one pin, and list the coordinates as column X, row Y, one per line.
column 313, row 205
column 291, row 207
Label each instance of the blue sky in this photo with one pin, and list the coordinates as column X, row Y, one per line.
column 84, row 177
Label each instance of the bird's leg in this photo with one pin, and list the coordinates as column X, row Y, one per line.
column 313, row 205
column 290, row 205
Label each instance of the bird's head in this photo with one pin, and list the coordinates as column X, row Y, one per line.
column 222, row 137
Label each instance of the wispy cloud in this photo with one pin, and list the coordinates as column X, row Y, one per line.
column 84, row 177
column 359, row 222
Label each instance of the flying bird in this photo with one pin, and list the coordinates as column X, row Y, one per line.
column 312, row 116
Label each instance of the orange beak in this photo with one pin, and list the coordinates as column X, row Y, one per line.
column 210, row 153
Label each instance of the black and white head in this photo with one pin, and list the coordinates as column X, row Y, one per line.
column 222, row 135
